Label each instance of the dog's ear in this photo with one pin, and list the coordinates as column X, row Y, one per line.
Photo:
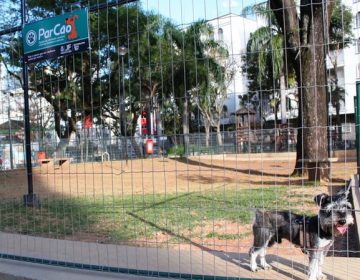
column 321, row 199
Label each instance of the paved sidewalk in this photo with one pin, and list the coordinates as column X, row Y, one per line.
column 15, row 270
column 140, row 260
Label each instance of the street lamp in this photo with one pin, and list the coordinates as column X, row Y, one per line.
column 122, row 52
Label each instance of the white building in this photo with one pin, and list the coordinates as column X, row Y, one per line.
column 234, row 31
column 348, row 60
column 348, row 73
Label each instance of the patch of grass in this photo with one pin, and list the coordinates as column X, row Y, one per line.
column 228, row 236
column 116, row 219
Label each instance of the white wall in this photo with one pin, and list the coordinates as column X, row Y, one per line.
column 349, row 61
column 236, row 33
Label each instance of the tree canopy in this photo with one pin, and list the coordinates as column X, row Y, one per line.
column 163, row 66
column 301, row 33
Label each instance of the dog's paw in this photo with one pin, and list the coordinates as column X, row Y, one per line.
column 254, row 268
column 266, row 266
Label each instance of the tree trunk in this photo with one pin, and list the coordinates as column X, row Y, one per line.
column 314, row 100
column 283, row 99
column 303, row 29
column 185, row 125
column 207, row 133
column 64, row 136
column 218, row 134
column 158, row 121
column 338, row 123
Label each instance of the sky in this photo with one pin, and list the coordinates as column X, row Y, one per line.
column 184, row 12
column 187, row 11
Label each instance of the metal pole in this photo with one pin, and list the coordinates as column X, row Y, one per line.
column 123, row 108
column 29, row 198
column 10, row 134
column 122, row 52
column 357, row 122
column 327, row 91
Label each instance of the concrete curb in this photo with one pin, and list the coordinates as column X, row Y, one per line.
column 268, row 156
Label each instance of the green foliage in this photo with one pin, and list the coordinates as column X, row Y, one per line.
column 264, row 60
column 228, row 236
column 163, row 62
column 176, row 151
column 340, row 30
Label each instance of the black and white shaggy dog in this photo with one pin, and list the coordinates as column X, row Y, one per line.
column 314, row 235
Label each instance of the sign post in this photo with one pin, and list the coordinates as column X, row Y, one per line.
column 30, row 199
column 50, row 38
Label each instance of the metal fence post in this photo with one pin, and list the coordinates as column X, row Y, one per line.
column 357, row 123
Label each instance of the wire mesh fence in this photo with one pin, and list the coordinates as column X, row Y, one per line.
column 154, row 150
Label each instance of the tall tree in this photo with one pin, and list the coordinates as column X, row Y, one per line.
column 269, row 72
column 90, row 84
column 199, row 75
column 213, row 72
column 304, row 28
column 260, row 71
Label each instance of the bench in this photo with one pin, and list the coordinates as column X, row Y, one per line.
column 56, row 161
column 44, row 160
column 61, row 161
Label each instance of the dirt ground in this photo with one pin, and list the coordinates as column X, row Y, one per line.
column 157, row 176
column 165, row 175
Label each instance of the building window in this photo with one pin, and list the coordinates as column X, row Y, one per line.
column 357, row 23
column 358, row 71
column 221, row 34
column 357, row 50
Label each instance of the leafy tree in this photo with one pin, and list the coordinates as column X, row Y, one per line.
column 303, row 29
column 265, row 61
column 209, row 76
column 157, row 74
column 198, row 76
column 90, row 84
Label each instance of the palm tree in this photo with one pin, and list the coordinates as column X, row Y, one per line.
column 201, row 78
column 293, row 24
column 266, row 46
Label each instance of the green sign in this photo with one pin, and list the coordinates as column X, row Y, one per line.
column 62, row 35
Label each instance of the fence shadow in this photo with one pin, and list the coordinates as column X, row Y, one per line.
column 281, row 265
column 214, row 166
column 287, row 265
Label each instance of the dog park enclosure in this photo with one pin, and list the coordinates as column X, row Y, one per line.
column 148, row 152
